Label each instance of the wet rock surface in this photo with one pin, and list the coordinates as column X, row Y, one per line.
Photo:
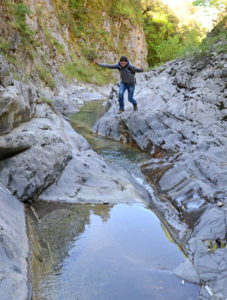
column 42, row 156
column 181, row 122
column 88, row 178
column 13, row 248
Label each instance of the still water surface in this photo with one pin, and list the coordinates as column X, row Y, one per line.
column 102, row 252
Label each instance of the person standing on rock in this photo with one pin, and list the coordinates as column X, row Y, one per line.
column 128, row 80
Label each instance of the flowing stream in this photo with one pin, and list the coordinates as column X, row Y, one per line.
column 103, row 252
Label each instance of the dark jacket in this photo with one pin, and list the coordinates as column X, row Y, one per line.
column 127, row 73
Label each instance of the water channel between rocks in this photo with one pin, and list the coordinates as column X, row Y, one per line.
column 103, row 252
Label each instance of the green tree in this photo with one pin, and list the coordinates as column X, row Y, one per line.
column 219, row 4
column 159, row 25
column 166, row 37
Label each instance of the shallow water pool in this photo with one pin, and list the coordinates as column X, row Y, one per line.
column 103, row 252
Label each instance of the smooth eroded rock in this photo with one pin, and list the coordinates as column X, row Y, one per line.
column 181, row 111
column 88, row 178
column 40, row 153
column 13, row 248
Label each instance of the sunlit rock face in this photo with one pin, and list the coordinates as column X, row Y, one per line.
column 16, row 100
column 88, row 178
column 181, row 113
column 181, row 121
column 58, row 43
column 37, row 146
column 37, row 153
column 33, row 155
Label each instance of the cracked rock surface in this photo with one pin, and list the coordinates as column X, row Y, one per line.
column 88, row 178
column 181, row 121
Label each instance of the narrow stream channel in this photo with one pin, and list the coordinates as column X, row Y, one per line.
column 103, row 252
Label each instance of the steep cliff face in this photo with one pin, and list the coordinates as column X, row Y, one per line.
column 47, row 36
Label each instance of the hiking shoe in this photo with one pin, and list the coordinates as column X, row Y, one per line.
column 120, row 111
column 135, row 107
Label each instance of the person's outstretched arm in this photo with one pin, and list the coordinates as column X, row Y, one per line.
column 113, row 66
column 135, row 69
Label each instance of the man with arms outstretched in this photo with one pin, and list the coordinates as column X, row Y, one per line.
column 128, row 80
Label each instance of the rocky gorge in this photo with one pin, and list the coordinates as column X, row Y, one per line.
column 180, row 122
column 42, row 157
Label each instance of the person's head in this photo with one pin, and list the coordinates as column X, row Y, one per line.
column 123, row 61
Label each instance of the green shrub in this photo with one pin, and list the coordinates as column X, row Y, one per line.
column 46, row 100
column 168, row 37
column 130, row 10
column 21, row 11
column 89, row 54
column 190, row 43
column 168, row 49
column 178, row 46
column 212, row 43
column 5, row 46
column 82, row 70
column 45, row 76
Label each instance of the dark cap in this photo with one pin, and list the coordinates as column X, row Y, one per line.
column 123, row 58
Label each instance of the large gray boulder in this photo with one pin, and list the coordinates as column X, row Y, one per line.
column 15, row 106
column 33, row 154
column 14, row 248
column 208, row 265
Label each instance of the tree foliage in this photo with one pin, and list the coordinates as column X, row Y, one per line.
column 166, row 36
column 219, row 4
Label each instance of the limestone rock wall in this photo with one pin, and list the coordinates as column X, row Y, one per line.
column 16, row 100
column 134, row 42
column 53, row 43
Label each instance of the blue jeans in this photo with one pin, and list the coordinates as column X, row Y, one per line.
column 130, row 88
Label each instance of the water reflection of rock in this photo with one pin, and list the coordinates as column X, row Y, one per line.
column 58, row 226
